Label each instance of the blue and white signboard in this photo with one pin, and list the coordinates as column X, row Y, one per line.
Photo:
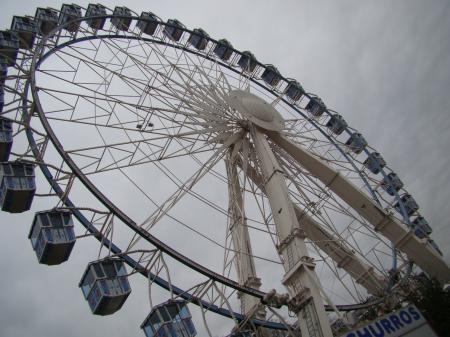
column 407, row 322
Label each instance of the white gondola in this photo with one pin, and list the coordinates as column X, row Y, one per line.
column 247, row 61
column 68, row 14
column 391, row 183
column 271, row 75
column 122, row 18
column 9, row 46
column 337, row 124
column 375, row 162
column 148, row 24
column 409, row 204
column 294, row 90
column 316, row 106
column 198, row 39
column 223, row 49
column 421, row 227
column 95, row 10
column 46, row 20
column 356, row 142
column 26, row 30
column 173, row 30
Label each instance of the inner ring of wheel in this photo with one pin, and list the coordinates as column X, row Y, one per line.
column 101, row 197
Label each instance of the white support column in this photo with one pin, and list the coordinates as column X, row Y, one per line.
column 301, row 285
column 334, row 247
column 418, row 250
column 245, row 265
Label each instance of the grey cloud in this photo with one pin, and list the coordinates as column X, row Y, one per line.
column 384, row 65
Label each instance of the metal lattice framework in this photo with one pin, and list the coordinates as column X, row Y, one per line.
column 172, row 148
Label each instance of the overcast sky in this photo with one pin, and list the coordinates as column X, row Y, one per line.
column 384, row 65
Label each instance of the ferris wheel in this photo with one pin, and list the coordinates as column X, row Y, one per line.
column 205, row 171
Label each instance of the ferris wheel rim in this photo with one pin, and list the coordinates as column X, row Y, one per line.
column 190, row 50
column 129, row 260
column 99, row 194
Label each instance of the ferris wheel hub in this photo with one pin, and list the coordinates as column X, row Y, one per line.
column 256, row 110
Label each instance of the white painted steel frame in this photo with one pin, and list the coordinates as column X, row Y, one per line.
column 339, row 252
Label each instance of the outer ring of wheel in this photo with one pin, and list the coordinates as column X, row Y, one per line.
column 212, row 275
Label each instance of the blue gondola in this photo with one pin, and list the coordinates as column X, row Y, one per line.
column 26, row 30
column 421, row 227
column 46, row 20
column 169, row 319
column 409, row 204
column 271, row 75
column 337, row 124
column 148, row 24
column 316, row 106
column 247, row 61
column 95, row 10
column 105, row 286
column 17, row 186
column 6, row 139
column 356, row 142
column 375, row 162
column 173, row 30
column 123, row 22
column 9, row 46
column 391, row 183
column 52, row 236
column 294, row 90
column 223, row 49
column 199, row 39
column 68, row 14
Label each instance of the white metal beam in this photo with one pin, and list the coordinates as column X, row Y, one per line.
column 245, row 265
column 303, row 288
column 331, row 245
column 418, row 250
